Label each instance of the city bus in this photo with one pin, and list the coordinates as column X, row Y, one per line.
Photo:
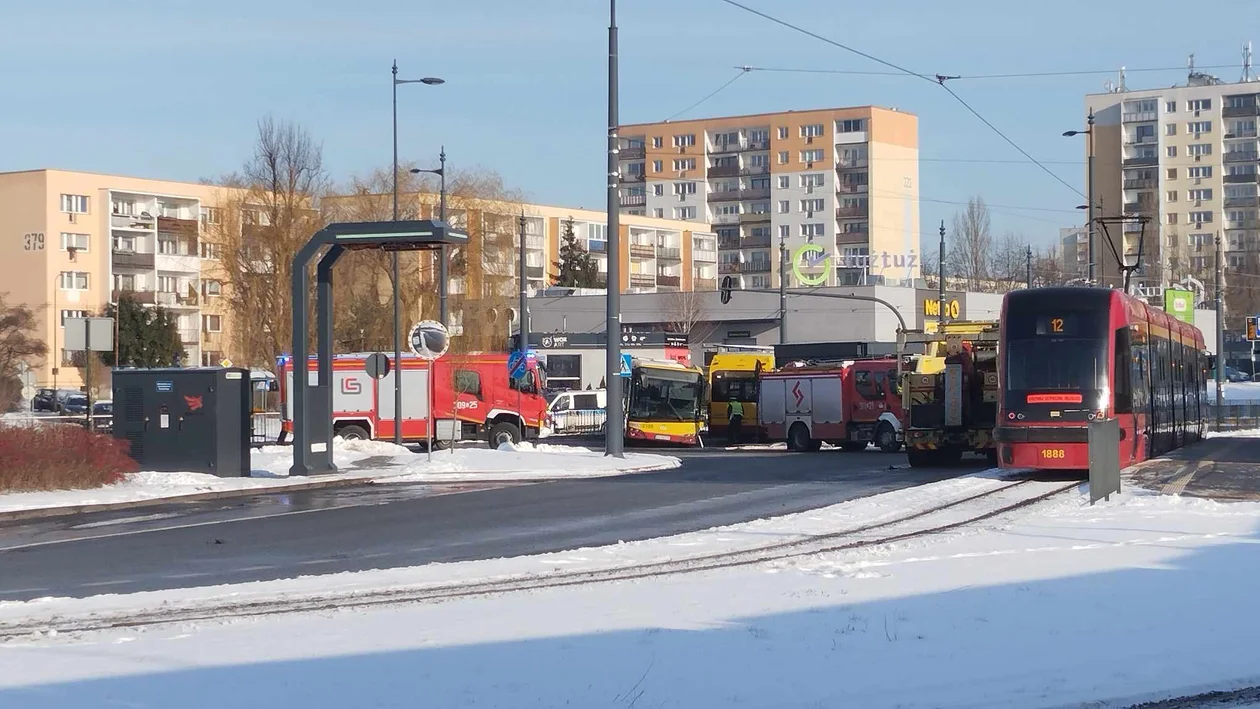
column 664, row 402
column 1069, row 356
column 733, row 375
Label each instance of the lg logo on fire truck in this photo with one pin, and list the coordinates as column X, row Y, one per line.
column 351, row 386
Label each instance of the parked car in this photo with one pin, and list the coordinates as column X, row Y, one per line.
column 578, row 411
column 103, row 415
column 50, row 399
column 75, row 405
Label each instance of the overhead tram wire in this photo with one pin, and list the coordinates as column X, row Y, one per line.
column 964, row 77
column 718, row 90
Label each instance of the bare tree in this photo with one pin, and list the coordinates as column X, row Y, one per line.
column 971, row 243
column 1048, row 268
column 1008, row 261
column 686, row 314
column 267, row 212
column 929, row 268
column 18, row 343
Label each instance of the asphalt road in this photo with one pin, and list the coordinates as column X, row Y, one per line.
column 282, row 535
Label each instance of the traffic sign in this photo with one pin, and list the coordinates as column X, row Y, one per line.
column 517, row 364
column 626, row 363
column 429, row 339
column 1253, row 324
column 727, row 284
column 28, row 392
column 376, row 365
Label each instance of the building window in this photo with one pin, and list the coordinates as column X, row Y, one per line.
column 74, row 204
column 783, row 132
column 783, row 157
column 1170, row 129
column 854, row 228
column 1198, row 149
column 78, row 242
column 684, row 188
column 784, row 182
column 1201, row 171
column 211, row 288
column 810, row 230
column 657, row 166
column 1199, row 127
column 810, row 206
column 74, row 280
column 808, row 156
column 1199, row 104
column 1170, row 107
column 1172, row 173
column 785, row 230
column 813, row 179
column 784, row 206
column 684, row 212
column 1199, row 194
column 212, row 323
column 67, row 314
column 210, row 215
column 685, row 164
column 123, row 207
column 656, row 141
column 1170, row 196
column 658, row 212
column 684, row 140
column 852, row 125
column 1200, row 217
column 812, row 131
column 212, row 252
column 1172, row 218
column 1170, row 151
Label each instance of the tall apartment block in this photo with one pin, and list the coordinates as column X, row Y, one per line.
column 1185, row 157
column 845, row 179
column 76, row 241
column 1074, row 251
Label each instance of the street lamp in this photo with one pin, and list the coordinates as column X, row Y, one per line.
column 1089, row 185
column 431, row 81
column 442, row 255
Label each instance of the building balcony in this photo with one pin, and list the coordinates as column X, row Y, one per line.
column 754, row 217
column 759, row 241
column 1140, row 184
column 755, row 267
column 633, row 200
column 1140, row 139
column 755, row 193
column 1239, row 179
column 1241, row 156
column 698, row 283
column 1240, row 111
column 597, row 247
column 720, row 219
column 854, row 234
column 642, row 280
column 632, row 152
column 852, row 189
column 752, row 145
column 723, row 171
column 844, row 164
column 535, row 272
column 177, row 263
column 131, row 222
column 851, row 212
column 1138, row 207
column 728, row 242
column 723, row 196
column 1240, row 201
column 755, row 170
column 181, row 227
column 671, row 281
column 1141, row 161
column 704, row 256
column 1138, row 116
column 669, row 253
column 1244, row 133
column 133, row 259
column 143, row 297
column 643, row 250
column 632, row 178
column 189, row 335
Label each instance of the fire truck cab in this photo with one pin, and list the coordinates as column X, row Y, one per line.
column 473, row 396
column 850, row 404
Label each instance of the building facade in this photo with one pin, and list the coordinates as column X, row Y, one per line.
column 1074, row 251
column 845, row 180
column 1186, row 160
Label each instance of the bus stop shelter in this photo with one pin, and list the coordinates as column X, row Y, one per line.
column 313, row 398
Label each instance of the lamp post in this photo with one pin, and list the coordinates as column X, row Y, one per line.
column 1089, row 186
column 614, row 430
column 442, row 255
column 431, row 81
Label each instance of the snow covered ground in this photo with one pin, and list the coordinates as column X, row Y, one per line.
column 373, row 461
column 1065, row 603
column 1235, row 392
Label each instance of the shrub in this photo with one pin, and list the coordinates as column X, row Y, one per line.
column 60, row 457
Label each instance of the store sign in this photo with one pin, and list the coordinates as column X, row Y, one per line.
column 812, row 262
column 811, row 256
column 932, row 308
column 1179, row 304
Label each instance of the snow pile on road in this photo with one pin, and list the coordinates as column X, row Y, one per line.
column 1235, row 392
column 357, row 460
column 1062, row 604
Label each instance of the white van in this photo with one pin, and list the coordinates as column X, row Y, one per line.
column 578, row 411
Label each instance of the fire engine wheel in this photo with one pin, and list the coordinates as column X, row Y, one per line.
column 886, row 438
column 503, row 432
column 353, row 433
column 799, row 440
column 920, row 458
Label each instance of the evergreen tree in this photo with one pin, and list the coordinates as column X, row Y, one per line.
column 147, row 337
column 576, row 268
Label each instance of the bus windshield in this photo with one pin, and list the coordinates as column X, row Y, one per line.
column 665, row 395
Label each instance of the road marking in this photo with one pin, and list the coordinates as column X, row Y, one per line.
column 168, row 528
column 1181, row 478
column 94, row 584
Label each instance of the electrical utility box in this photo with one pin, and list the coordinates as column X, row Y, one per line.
column 194, row 420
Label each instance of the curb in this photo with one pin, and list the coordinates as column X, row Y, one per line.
column 74, row 510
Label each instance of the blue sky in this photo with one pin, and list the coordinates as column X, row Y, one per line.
column 174, row 89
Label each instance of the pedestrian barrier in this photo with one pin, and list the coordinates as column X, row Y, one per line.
column 1235, row 415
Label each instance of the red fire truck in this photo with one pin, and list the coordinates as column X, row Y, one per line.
column 473, row 397
column 850, row 404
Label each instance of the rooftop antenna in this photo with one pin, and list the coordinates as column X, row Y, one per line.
column 1121, row 87
column 1109, row 86
column 1248, row 74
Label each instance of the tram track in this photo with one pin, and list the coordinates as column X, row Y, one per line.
column 948, row 516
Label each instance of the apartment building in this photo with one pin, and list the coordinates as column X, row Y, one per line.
column 1186, row 159
column 78, row 240
column 845, row 179
column 1074, row 251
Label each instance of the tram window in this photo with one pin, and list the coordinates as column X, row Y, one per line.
column 1123, row 369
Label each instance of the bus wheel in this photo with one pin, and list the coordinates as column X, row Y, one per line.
column 503, row 432
column 353, row 433
column 886, row 438
column 798, row 438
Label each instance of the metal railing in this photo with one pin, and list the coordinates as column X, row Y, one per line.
column 264, row 428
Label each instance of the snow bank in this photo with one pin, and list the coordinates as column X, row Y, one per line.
column 1235, row 392
column 366, row 461
column 1064, row 604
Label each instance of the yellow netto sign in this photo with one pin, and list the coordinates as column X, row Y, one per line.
column 932, row 308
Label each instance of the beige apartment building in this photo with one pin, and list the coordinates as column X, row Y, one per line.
column 1186, row 158
column 77, row 240
column 843, row 179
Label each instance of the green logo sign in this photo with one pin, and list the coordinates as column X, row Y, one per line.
column 811, row 256
column 1179, row 304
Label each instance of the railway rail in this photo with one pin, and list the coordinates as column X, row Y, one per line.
column 945, row 517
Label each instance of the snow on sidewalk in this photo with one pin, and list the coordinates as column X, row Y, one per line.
column 389, row 463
